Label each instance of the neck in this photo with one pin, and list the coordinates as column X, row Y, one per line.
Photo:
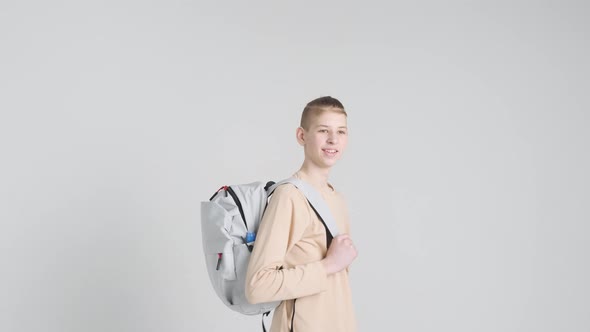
column 317, row 176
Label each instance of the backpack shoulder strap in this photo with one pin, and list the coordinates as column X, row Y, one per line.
column 315, row 199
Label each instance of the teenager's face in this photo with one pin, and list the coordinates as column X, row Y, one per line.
column 325, row 140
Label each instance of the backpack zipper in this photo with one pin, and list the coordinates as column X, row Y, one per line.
column 217, row 192
column 235, row 197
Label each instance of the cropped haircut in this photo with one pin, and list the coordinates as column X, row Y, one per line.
column 317, row 107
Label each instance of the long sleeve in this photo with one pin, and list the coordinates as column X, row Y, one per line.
column 269, row 276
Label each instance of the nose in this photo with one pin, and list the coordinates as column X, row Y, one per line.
column 332, row 138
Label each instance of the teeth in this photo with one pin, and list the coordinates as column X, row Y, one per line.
column 330, row 151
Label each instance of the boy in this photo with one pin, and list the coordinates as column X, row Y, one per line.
column 291, row 261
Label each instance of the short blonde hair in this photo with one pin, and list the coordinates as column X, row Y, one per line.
column 317, row 107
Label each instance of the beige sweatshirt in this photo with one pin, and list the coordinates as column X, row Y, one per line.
column 285, row 265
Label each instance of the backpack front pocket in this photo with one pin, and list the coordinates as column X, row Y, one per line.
column 217, row 241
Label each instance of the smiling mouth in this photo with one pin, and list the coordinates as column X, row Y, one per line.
column 330, row 151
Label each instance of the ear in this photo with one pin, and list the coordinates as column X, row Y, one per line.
column 300, row 135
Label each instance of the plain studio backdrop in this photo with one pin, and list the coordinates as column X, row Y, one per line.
column 466, row 172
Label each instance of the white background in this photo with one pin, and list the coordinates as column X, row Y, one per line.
column 466, row 174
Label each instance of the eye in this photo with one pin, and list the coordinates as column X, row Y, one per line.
column 323, row 130
column 342, row 132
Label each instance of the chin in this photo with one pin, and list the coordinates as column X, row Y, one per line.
column 330, row 163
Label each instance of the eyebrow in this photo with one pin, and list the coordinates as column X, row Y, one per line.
column 329, row 126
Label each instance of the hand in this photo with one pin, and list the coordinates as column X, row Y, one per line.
column 340, row 254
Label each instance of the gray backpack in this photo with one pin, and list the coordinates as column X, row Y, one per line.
column 229, row 222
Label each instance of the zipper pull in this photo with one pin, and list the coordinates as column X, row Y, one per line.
column 218, row 261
